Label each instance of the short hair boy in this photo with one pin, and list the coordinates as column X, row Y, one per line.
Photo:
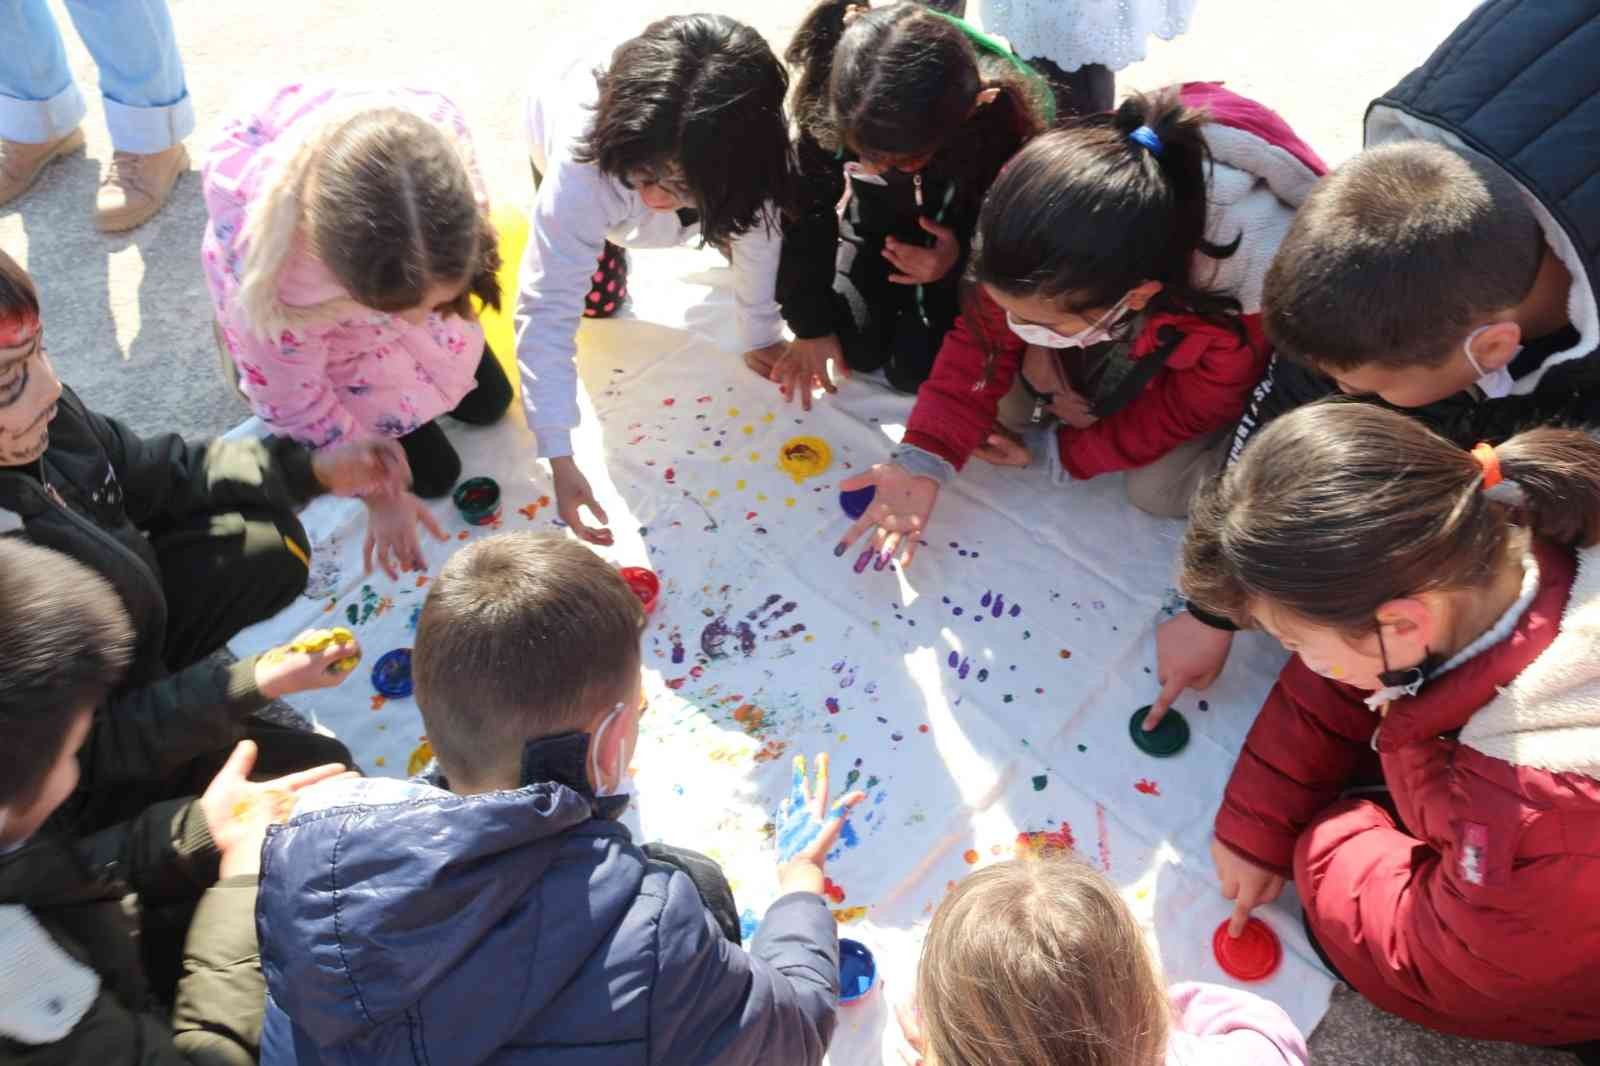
column 497, row 902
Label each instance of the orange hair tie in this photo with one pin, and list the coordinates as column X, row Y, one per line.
column 1490, row 461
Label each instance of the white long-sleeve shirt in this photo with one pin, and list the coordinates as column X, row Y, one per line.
column 576, row 210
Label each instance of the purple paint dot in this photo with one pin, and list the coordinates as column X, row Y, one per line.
column 954, row 660
column 956, row 610
column 1015, row 610
column 988, row 598
column 897, row 737
column 1204, row 706
column 855, row 503
column 983, row 675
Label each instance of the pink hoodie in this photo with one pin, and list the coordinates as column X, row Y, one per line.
column 1214, row 1025
column 331, row 369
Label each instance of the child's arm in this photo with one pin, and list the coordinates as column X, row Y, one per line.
column 1203, row 387
column 955, row 409
column 1218, row 1026
column 567, row 234
column 755, row 255
column 286, row 382
column 1305, row 744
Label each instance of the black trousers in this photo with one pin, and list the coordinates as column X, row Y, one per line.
column 435, row 465
column 708, row 878
column 886, row 326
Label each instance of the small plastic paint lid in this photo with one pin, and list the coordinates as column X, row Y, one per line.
column 1253, row 955
column 478, row 499
column 803, row 457
column 644, row 584
column 1170, row 736
column 856, row 502
column 858, row 972
column 391, row 674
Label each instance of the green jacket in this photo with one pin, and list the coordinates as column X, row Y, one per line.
column 72, row 982
column 95, row 494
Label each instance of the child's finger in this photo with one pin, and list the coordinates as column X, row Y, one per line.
column 431, row 524
column 856, row 530
column 821, row 797
column 366, row 553
column 240, row 761
column 908, row 549
column 305, row 778
column 1171, row 688
column 941, row 232
column 833, row 825
column 904, row 279
column 886, row 552
column 1241, row 915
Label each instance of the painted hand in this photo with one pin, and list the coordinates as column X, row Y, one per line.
column 572, row 496
column 305, row 663
column 1248, row 885
column 1189, row 654
column 363, row 468
column 898, row 515
column 808, row 827
column 1003, row 448
column 392, row 537
column 923, row 266
column 239, row 810
column 803, row 368
column 1073, row 409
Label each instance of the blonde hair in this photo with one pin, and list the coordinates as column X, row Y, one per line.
column 1039, row 962
column 386, row 199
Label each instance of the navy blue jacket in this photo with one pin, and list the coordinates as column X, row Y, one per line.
column 401, row 923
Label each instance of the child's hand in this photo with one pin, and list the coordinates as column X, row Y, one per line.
column 238, row 810
column 305, row 663
column 808, row 828
column 1189, row 654
column 923, row 266
column 572, row 495
column 392, row 538
column 1073, row 410
column 910, row 1019
column 363, row 468
column 1248, row 885
column 803, row 368
column 899, row 512
column 1003, row 448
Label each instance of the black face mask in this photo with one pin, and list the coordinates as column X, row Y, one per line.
column 1411, row 678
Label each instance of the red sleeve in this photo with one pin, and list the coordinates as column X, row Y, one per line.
column 1309, row 738
column 1203, row 387
column 956, row 406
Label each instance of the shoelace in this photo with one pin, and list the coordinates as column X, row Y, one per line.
column 127, row 169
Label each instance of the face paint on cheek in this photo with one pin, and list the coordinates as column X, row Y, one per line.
column 15, row 332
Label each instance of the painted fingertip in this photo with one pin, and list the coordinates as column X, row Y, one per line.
column 861, row 563
column 883, row 560
column 840, row 548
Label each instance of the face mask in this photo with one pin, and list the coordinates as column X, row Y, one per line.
column 1087, row 337
column 1495, row 384
column 600, row 787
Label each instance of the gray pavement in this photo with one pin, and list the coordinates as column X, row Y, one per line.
column 128, row 316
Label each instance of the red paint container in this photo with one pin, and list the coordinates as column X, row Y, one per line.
column 645, row 585
column 1253, row 955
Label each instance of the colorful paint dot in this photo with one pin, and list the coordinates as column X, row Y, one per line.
column 970, row 855
column 1040, row 781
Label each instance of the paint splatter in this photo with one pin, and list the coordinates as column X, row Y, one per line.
column 832, row 705
column 847, row 915
column 1040, row 781
column 529, row 511
column 371, row 604
column 1065, row 654
column 748, row 924
column 970, row 855
column 1044, row 842
column 831, row 891
column 1148, row 787
column 1105, row 839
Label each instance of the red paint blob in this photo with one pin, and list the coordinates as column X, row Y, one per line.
column 645, row 585
column 1148, row 787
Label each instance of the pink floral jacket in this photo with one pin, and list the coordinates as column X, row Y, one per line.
column 341, row 371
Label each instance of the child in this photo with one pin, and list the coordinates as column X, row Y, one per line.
column 1039, row 962
column 74, row 985
column 348, row 230
column 198, row 540
column 1458, row 282
column 1120, row 263
column 908, row 115
column 1461, row 647
column 680, row 137
column 497, row 906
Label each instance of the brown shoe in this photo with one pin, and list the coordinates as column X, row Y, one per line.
column 21, row 164
column 136, row 186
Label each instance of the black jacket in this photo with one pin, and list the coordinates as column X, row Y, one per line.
column 95, row 494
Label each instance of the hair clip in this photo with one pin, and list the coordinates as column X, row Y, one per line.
column 1146, row 137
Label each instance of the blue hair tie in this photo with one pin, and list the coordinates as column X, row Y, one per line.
column 1146, row 136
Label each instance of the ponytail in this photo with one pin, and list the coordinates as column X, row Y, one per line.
column 1089, row 211
column 810, row 52
column 1342, row 506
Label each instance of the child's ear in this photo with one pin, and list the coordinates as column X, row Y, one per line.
column 1497, row 345
column 1410, row 627
column 985, row 97
column 1141, row 295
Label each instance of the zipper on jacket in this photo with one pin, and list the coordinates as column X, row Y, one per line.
column 949, row 194
column 916, row 186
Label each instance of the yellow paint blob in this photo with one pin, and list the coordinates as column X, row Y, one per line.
column 804, row 457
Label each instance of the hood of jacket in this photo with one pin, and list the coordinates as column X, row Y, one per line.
column 1261, row 173
column 377, row 892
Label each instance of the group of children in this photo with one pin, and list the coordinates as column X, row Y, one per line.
column 1142, row 290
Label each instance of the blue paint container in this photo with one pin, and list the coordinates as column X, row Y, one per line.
column 858, row 972
column 855, row 503
column 391, row 675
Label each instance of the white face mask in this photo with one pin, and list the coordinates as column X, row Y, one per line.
column 600, row 786
column 1495, row 384
column 1087, row 337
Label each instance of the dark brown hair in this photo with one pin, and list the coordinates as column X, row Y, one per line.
column 19, row 298
column 1083, row 214
column 67, row 642
column 703, row 92
column 1342, row 506
column 1396, row 255
column 900, row 80
column 1039, row 962
column 523, row 636
column 393, row 210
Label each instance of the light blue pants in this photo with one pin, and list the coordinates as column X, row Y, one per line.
column 141, row 74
